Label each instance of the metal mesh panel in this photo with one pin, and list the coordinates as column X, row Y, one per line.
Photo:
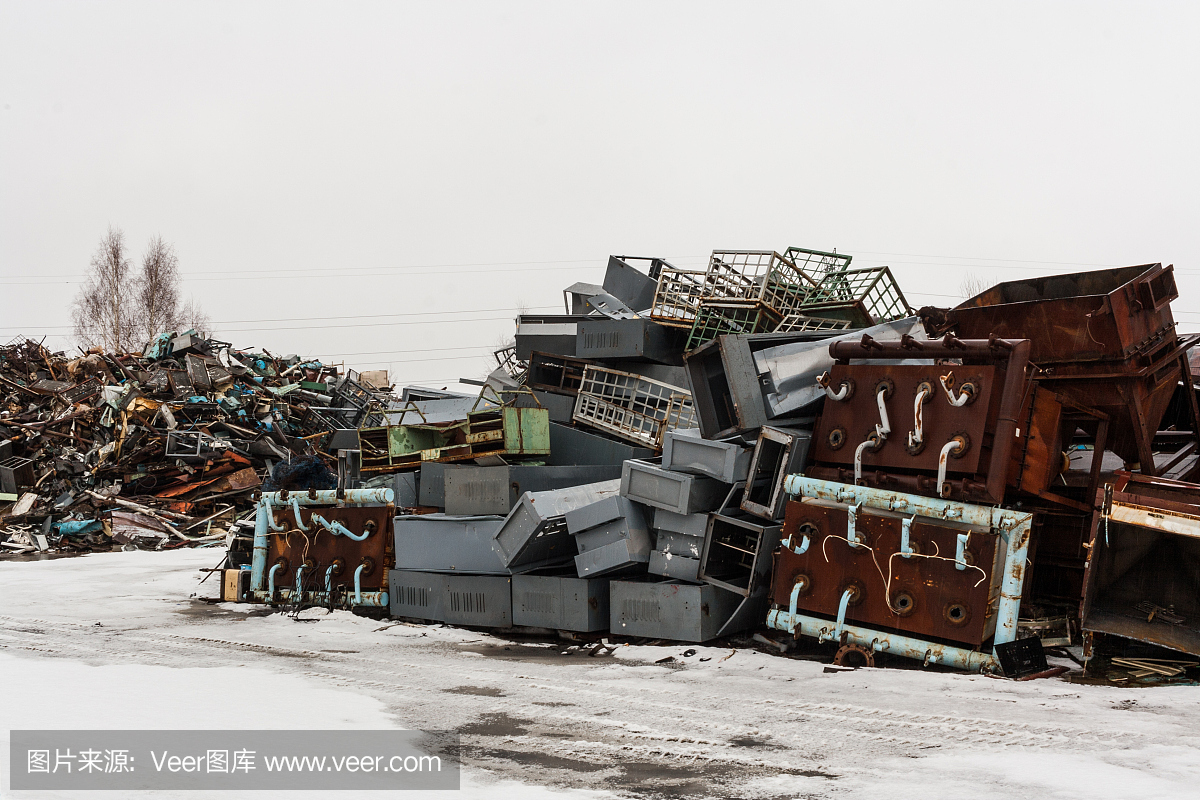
column 506, row 357
column 800, row 322
column 873, row 287
column 678, row 296
column 632, row 407
column 761, row 275
column 716, row 317
column 817, row 263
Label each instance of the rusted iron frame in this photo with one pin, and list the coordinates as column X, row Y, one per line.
column 1126, row 385
column 1014, row 352
column 1014, row 527
column 1103, row 422
column 1117, row 493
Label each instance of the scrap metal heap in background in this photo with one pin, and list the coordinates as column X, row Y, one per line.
column 776, row 440
column 162, row 448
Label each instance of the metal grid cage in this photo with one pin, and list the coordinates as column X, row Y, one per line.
column 506, row 358
column 678, row 295
column 716, row 317
column 632, row 407
column 757, row 275
column 761, row 275
column 817, row 263
column 872, row 289
column 801, row 322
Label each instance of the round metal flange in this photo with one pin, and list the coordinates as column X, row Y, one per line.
column 853, row 655
column 888, row 386
column 903, row 604
column 957, row 613
column 836, row 438
column 962, row 449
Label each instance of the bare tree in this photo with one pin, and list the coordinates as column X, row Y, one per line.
column 194, row 317
column 102, row 310
column 972, row 285
column 157, row 290
column 118, row 310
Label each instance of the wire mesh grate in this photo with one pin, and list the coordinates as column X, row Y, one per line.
column 632, row 407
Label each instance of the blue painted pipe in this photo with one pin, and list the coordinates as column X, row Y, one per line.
column 841, row 618
column 258, row 562
column 337, row 528
column 271, row 584
column 358, row 584
column 880, row 642
column 328, row 497
column 296, row 511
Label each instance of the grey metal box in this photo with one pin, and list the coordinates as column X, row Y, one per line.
column 415, row 594
column 738, row 553
column 559, row 406
column 670, row 610
column 570, row 445
column 604, row 510
column 608, row 533
column 673, row 491
column 688, row 524
column 680, row 544
column 780, row 452
column 724, row 381
column 495, row 490
column 534, row 534
column 680, row 567
column 726, row 461
column 483, row 601
column 787, row 372
column 561, row 602
column 629, row 339
column 630, row 284
column 407, row 489
column 433, row 483
column 444, row 543
column 618, row 555
column 555, row 333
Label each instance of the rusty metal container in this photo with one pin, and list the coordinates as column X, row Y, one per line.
column 1103, row 339
column 316, row 549
column 965, row 431
column 1143, row 572
column 924, row 595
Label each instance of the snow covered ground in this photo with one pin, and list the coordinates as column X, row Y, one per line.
column 119, row 641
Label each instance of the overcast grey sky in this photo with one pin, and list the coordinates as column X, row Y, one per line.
column 320, row 166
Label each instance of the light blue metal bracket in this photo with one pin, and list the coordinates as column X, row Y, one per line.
column 906, row 550
column 271, row 585
column 880, row 642
column 960, row 557
column 296, row 513
column 337, row 528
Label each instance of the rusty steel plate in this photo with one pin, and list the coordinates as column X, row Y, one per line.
column 320, row 548
column 929, row 598
column 847, row 423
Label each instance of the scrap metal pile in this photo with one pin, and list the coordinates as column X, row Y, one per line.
column 163, row 448
column 779, row 441
column 776, row 441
